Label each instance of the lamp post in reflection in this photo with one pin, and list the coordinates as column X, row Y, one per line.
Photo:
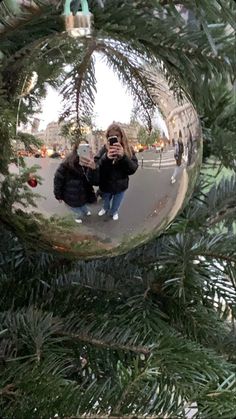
column 160, row 158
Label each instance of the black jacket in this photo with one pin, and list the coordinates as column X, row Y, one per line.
column 72, row 186
column 114, row 178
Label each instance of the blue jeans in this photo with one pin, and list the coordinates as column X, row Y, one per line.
column 80, row 211
column 111, row 202
column 177, row 171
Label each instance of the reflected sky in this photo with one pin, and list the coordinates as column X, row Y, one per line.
column 112, row 101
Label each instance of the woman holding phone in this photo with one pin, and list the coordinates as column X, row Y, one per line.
column 115, row 162
column 71, row 183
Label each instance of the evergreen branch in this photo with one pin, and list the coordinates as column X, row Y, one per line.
column 78, row 93
column 137, row 74
column 101, row 343
column 8, row 390
column 125, row 393
column 227, row 213
column 111, row 417
column 82, row 69
column 20, row 22
column 217, row 256
column 13, row 22
column 180, row 320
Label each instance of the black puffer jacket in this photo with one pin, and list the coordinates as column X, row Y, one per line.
column 114, row 178
column 71, row 185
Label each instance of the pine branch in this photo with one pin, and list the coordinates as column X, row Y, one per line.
column 15, row 21
column 82, row 69
column 78, row 94
column 101, row 343
column 218, row 256
column 9, row 390
column 171, row 343
column 137, row 75
column 224, row 214
column 111, row 417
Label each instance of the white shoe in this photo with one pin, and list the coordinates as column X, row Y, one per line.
column 88, row 213
column 115, row 216
column 173, row 180
column 102, row 212
column 78, row 220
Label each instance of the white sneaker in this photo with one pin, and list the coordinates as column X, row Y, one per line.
column 102, row 212
column 115, row 216
column 88, row 213
column 78, row 220
column 173, row 180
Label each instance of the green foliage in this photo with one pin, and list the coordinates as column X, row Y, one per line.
column 190, row 54
column 79, row 92
column 7, row 129
column 153, row 331
column 29, row 140
column 15, row 192
column 87, row 337
column 219, row 122
column 148, row 138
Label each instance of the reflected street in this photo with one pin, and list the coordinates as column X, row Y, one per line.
column 149, row 199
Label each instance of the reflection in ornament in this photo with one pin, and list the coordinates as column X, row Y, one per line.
column 29, row 84
column 32, row 181
column 151, row 201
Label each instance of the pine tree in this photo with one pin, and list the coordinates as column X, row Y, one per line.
column 150, row 333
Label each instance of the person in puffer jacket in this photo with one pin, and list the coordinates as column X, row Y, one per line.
column 115, row 162
column 178, row 155
column 71, row 185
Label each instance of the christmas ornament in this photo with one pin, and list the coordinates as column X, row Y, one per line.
column 32, row 181
column 79, row 24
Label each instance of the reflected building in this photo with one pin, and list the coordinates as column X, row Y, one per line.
column 97, row 140
column 35, row 125
column 41, row 136
column 178, row 115
column 183, row 118
column 53, row 135
column 131, row 131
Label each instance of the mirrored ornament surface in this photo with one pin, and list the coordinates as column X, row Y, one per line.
column 130, row 198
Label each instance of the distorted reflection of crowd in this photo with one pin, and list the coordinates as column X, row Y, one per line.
column 109, row 170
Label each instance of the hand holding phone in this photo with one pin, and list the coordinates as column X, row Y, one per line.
column 112, row 152
column 119, row 150
column 88, row 163
column 112, row 140
column 84, row 151
column 112, row 147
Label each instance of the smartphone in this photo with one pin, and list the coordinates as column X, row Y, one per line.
column 113, row 140
column 84, row 151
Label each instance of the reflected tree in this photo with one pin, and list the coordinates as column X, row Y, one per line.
column 148, row 138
